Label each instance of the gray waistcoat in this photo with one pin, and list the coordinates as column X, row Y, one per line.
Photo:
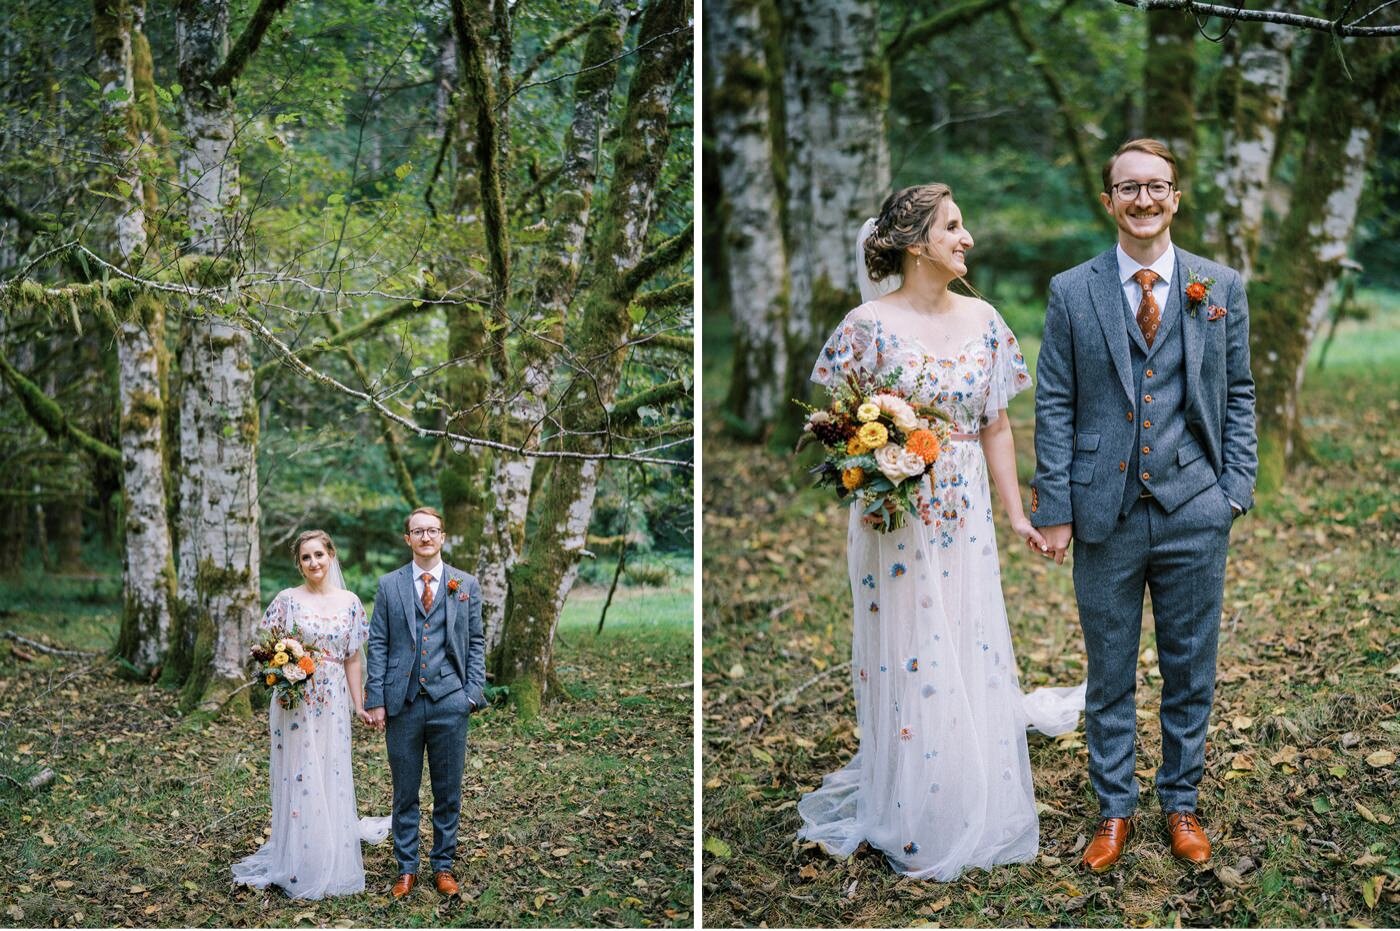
column 431, row 670
column 1161, row 424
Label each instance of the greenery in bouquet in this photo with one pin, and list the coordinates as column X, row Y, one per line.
column 879, row 445
column 286, row 663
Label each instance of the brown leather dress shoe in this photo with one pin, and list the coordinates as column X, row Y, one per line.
column 404, row 885
column 1189, row 841
column 1108, row 843
column 445, row 882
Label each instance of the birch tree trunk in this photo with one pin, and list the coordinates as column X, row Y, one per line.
column 1258, row 73
column 838, row 167
column 543, row 331
column 755, row 257
column 1340, row 126
column 541, row 580
column 219, row 418
column 148, row 570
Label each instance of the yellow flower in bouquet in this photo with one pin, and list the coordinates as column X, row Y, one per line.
column 873, row 435
column 280, row 659
column 271, row 679
column 852, row 478
column 868, row 412
column 854, row 447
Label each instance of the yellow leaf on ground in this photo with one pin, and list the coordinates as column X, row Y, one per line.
column 1288, row 754
column 1243, row 723
column 1365, row 812
column 808, row 872
column 1381, row 758
column 1371, row 890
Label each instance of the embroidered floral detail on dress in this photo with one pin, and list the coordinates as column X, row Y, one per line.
column 897, row 570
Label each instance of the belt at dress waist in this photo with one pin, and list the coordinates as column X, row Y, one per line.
column 332, row 659
column 963, row 436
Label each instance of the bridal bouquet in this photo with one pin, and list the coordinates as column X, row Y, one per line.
column 878, row 446
column 286, row 664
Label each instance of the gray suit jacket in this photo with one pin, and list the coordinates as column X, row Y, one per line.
column 393, row 638
column 1085, row 385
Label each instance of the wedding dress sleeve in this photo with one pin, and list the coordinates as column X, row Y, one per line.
column 359, row 625
column 1009, row 373
column 854, row 347
column 275, row 615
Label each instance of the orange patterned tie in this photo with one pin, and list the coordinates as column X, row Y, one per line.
column 1149, row 315
column 427, row 592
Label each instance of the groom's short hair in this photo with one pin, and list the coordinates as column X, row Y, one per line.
column 1150, row 146
column 431, row 512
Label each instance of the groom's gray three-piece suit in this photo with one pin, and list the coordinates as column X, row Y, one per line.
column 1144, row 449
column 428, row 671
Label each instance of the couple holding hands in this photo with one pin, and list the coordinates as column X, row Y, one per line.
column 1145, row 454
column 424, row 674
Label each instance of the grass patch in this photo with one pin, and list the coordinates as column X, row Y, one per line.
column 583, row 818
column 1297, row 796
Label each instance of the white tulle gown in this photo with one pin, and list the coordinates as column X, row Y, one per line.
column 314, row 850
column 942, row 779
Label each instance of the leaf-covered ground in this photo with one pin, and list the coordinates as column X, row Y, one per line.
column 583, row 819
column 1300, row 792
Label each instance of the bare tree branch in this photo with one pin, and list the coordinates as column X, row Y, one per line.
column 1280, row 17
column 940, row 23
column 248, row 42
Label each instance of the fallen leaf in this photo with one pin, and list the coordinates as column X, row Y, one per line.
column 736, row 671
column 718, row 848
column 1229, row 877
column 1288, row 754
column 808, row 872
column 1367, row 859
column 762, row 755
column 15, row 912
column 1243, row 722
column 940, row 904
column 63, row 885
column 1371, row 890
column 1365, row 812
column 1380, row 758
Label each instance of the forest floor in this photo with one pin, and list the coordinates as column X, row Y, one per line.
column 1300, row 793
column 583, row 818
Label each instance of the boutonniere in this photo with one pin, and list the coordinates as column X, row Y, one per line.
column 453, row 585
column 1215, row 312
column 1197, row 290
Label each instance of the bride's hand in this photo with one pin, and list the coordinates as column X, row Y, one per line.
column 1023, row 529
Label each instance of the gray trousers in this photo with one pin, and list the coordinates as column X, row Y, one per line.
column 438, row 728
column 1179, row 558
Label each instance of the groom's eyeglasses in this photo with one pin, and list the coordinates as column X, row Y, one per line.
column 1127, row 191
column 424, row 533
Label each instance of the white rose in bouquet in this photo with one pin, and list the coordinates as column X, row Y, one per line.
column 295, row 648
column 293, row 672
column 897, row 463
column 898, row 410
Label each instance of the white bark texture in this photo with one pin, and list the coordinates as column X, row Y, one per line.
column 219, row 510
column 837, row 160
column 147, row 559
column 1251, row 138
column 756, row 260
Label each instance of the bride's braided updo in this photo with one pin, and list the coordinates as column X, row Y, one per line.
column 905, row 220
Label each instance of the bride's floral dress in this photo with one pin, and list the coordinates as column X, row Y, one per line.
column 942, row 779
column 314, row 850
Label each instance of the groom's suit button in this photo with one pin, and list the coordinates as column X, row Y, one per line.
column 1149, row 373
column 1146, row 450
column 1147, row 398
column 1122, row 467
column 1147, row 424
column 1130, row 416
column 1146, row 476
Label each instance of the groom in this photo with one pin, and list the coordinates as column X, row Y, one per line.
column 1145, row 450
column 427, row 672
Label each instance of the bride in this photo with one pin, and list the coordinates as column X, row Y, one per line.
column 941, row 782
column 314, row 850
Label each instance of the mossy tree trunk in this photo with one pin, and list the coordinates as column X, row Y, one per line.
column 219, row 546
column 755, row 259
column 148, row 570
column 541, row 579
column 1294, row 289
column 542, row 332
column 1169, row 100
column 836, row 92
column 1256, row 74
